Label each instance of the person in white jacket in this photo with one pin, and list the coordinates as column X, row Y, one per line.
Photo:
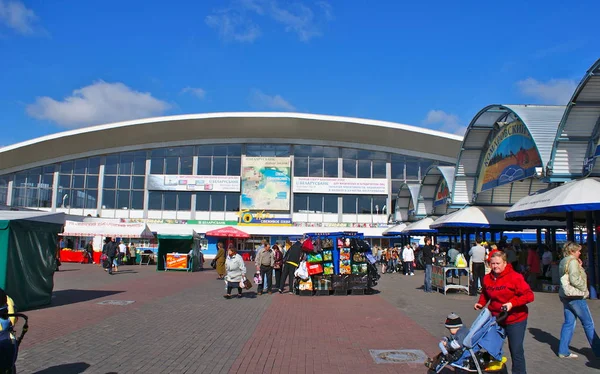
column 408, row 258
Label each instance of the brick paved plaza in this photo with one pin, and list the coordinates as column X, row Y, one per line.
column 180, row 323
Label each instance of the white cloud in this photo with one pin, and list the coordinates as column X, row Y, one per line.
column 198, row 92
column 100, row 102
column 236, row 22
column 233, row 27
column 261, row 100
column 15, row 15
column 555, row 91
column 446, row 122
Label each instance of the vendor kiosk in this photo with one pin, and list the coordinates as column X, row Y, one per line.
column 340, row 263
column 179, row 252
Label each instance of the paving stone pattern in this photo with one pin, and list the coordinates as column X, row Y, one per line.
column 180, row 323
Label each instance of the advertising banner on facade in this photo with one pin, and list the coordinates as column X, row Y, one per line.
column 512, row 155
column 263, row 218
column 223, row 183
column 441, row 193
column 266, row 183
column 350, row 186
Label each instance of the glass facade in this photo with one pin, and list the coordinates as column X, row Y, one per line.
column 124, row 180
column 33, row 187
column 119, row 180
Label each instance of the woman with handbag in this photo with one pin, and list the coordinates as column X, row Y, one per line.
column 572, row 292
column 236, row 272
column 277, row 265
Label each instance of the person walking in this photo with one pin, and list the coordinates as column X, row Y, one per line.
column 110, row 250
column 477, row 254
column 291, row 261
column 277, row 265
column 265, row 260
column 546, row 261
column 573, row 293
column 235, row 272
column 89, row 253
column 122, row 252
column 534, row 268
column 506, row 290
column 428, row 262
column 408, row 257
column 220, row 261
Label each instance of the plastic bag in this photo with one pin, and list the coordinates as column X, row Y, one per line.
column 461, row 261
column 302, row 271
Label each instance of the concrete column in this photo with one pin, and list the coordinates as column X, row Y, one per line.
column 146, row 194
column 194, row 172
column 589, row 220
column 100, row 185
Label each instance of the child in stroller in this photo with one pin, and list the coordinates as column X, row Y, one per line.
column 479, row 350
column 9, row 342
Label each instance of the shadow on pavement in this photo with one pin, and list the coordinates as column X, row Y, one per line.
column 64, row 271
column 544, row 337
column 74, row 368
column 66, row 297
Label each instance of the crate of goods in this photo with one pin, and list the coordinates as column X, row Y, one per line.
column 358, row 282
column 321, row 282
column 339, row 282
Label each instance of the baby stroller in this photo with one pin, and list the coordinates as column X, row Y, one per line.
column 9, row 342
column 482, row 348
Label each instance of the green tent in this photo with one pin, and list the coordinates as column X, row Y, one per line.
column 178, row 240
column 28, row 242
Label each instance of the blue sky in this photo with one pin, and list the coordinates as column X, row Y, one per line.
column 69, row 64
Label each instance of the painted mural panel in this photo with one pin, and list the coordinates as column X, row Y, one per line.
column 511, row 156
column 441, row 193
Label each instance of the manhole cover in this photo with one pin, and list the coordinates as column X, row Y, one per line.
column 402, row 356
column 116, row 302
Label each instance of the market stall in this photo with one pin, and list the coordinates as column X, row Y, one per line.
column 445, row 278
column 339, row 263
column 28, row 243
column 230, row 234
column 79, row 233
column 179, row 249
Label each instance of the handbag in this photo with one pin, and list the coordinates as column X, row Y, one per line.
column 314, row 269
column 308, row 246
column 568, row 289
column 246, row 283
column 302, row 272
column 213, row 263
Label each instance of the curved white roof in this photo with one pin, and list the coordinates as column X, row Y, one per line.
column 246, row 127
column 577, row 135
column 541, row 122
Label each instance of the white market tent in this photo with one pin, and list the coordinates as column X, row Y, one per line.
column 394, row 230
column 577, row 197
column 109, row 229
column 420, row 227
column 491, row 217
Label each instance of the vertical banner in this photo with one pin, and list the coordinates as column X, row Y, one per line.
column 511, row 156
column 266, row 183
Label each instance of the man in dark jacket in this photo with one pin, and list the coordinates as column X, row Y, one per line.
column 291, row 260
column 428, row 261
column 110, row 250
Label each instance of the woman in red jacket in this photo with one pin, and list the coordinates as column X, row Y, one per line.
column 506, row 289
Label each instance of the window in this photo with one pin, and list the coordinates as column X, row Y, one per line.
column 33, row 187
column 300, row 202
column 172, row 161
column 349, row 204
column 218, row 201
column 349, row 168
column 330, row 204
column 167, row 200
column 4, row 189
column 300, row 166
column 398, row 167
column 124, row 178
column 219, row 159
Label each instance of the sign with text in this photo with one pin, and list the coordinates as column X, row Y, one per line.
column 350, row 186
column 222, row 183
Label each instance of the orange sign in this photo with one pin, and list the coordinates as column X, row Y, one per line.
column 177, row 261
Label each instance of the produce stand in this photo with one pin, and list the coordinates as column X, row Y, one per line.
column 341, row 263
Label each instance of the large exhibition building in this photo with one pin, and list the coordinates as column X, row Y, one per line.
column 275, row 174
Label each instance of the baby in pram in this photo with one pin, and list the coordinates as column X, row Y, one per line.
column 449, row 344
column 477, row 350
